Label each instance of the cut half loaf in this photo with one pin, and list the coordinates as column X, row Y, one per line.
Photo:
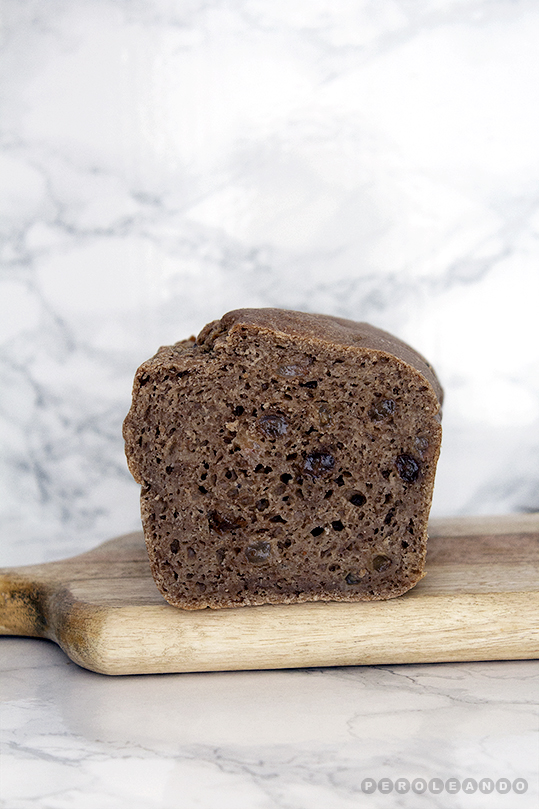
column 284, row 457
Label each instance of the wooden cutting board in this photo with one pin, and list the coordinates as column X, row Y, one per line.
column 479, row 601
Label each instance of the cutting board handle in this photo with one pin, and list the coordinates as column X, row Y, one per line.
column 22, row 606
column 30, row 596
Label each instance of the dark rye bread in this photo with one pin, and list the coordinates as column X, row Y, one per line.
column 284, row 457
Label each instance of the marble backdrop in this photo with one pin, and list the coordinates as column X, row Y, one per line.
column 164, row 161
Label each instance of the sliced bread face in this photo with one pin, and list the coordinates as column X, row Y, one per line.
column 284, row 457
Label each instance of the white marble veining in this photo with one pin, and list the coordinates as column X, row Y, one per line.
column 304, row 739
column 164, row 161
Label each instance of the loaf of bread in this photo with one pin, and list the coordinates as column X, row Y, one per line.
column 284, row 457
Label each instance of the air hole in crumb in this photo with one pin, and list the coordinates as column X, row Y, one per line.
column 265, row 469
column 389, row 516
column 357, row 499
column 286, row 477
column 174, row 546
column 328, row 494
column 317, row 531
column 337, row 525
column 381, row 563
column 262, row 504
column 277, row 518
column 339, row 481
column 404, row 544
column 202, row 490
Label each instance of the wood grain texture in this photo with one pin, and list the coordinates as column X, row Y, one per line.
column 479, row 601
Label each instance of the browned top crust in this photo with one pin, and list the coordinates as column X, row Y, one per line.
column 311, row 328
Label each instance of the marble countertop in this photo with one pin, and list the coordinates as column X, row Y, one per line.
column 293, row 739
